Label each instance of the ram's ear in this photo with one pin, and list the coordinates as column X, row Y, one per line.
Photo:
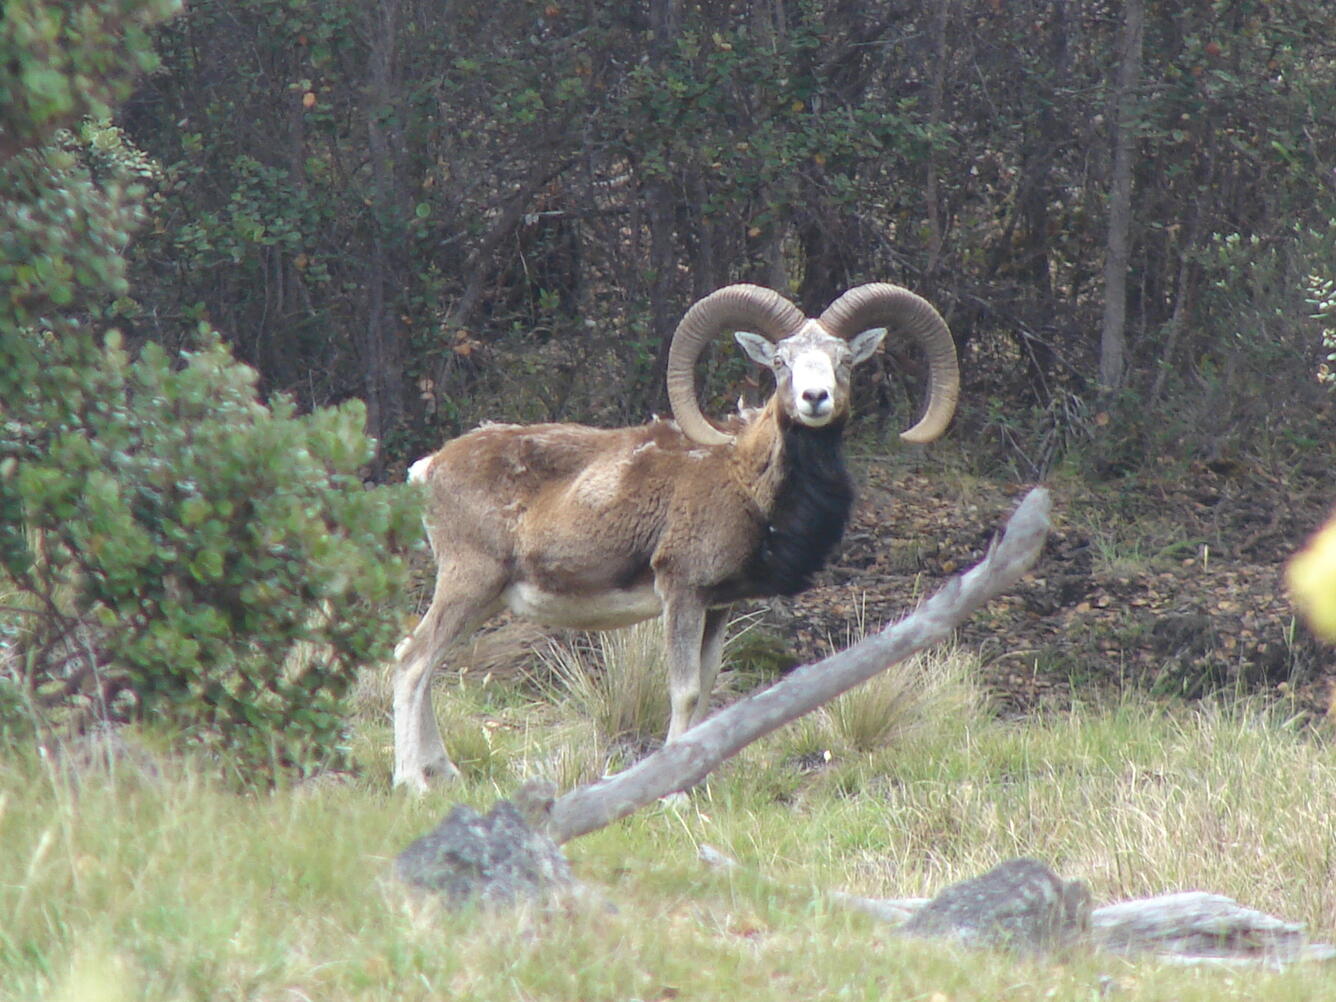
column 866, row 343
column 758, row 349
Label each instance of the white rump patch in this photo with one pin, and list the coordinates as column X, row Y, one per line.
column 417, row 473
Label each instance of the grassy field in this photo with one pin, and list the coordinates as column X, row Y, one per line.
column 126, row 886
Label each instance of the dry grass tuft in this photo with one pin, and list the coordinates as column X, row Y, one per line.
column 905, row 701
column 618, row 680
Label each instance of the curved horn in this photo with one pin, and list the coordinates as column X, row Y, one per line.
column 732, row 308
column 880, row 304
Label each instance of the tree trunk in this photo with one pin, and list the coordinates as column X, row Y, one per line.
column 661, row 307
column 382, row 354
column 664, row 25
column 932, row 194
column 1113, row 335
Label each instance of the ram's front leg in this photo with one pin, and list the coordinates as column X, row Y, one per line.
column 684, row 624
column 419, row 753
column 711, row 653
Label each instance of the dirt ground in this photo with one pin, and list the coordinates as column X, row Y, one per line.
column 1173, row 589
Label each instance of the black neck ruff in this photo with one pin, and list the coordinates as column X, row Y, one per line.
column 810, row 512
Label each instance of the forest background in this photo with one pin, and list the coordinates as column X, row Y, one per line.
column 410, row 217
column 460, row 211
column 405, row 217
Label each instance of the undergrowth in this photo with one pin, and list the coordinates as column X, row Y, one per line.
column 155, row 881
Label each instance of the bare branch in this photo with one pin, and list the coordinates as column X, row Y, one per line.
column 689, row 759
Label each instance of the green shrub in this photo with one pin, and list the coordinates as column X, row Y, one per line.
column 198, row 559
column 171, row 548
column 63, row 59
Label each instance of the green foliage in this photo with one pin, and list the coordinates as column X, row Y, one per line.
column 62, row 234
column 172, row 548
column 462, row 212
column 747, row 108
column 1320, row 294
column 206, row 562
column 60, row 61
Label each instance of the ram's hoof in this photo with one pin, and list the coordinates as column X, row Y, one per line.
column 419, row 781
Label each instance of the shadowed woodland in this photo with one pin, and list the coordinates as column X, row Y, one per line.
column 258, row 256
column 457, row 211
column 414, row 216
column 460, row 213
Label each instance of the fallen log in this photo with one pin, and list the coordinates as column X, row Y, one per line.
column 1023, row 905
column 512, row 852
column 693, row 756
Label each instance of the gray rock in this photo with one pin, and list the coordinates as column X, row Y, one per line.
column 1020, row 905
column 494, row 860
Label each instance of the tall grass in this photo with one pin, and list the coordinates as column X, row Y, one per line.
column 618, row 680
column 926, row 694
column 130, row 885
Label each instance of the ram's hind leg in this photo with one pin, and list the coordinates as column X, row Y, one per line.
column 466, row 594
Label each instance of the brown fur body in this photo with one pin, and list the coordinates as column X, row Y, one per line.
column 598, row 515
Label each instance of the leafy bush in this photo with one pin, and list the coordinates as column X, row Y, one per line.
column 1320, row 294
column 63, row 59
column 198, row 559
column 171, row 548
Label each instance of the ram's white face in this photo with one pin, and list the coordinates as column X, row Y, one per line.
column 812, row 369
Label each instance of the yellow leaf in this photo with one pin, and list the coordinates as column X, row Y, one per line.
column 1311, row 576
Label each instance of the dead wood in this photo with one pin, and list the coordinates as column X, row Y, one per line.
column 688, row 760
column 1187, row 927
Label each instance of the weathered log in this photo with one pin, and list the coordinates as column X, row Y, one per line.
column 688, row 760
column 1195, row 925
column 1188, row 927
column 509, row 854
